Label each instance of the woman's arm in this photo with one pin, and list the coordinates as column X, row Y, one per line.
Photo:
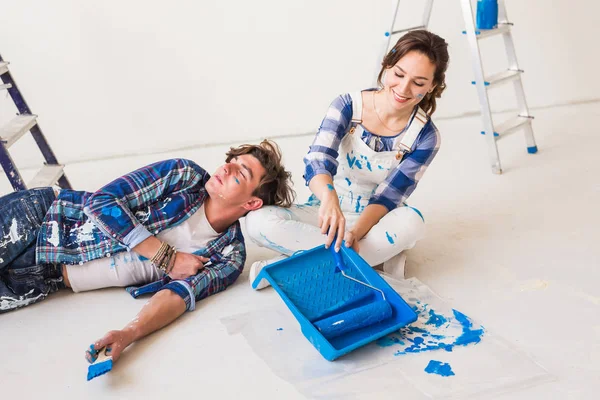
column 321, row 165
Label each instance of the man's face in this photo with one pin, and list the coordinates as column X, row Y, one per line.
column 234, row 182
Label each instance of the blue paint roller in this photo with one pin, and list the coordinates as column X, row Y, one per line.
column 355, row 318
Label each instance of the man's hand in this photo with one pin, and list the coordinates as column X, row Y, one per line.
column 114, row 341
column 187, row 265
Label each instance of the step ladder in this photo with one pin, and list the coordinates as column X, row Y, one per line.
column 52, row 172
column 493, row 132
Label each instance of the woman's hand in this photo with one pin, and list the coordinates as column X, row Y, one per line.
column 187, row 265
column 352, row 240
column 331, row 219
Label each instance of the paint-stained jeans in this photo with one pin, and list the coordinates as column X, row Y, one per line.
column 22, row 282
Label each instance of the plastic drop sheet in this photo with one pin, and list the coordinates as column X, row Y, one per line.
column 443, row 355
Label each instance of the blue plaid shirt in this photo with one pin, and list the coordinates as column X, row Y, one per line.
column 401, row 181
column 82, row 226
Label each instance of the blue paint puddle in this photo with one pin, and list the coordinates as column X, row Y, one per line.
column 348, row 181
column 439, row 368
column 389, row 238
column 433, row 331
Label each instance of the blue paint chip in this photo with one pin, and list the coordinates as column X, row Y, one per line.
column 439, row 368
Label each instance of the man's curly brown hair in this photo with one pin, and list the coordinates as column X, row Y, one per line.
column 275, row 187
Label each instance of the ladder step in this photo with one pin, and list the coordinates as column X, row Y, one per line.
column 3, row 67
column 16, row 128
column 501, row 77
column 512, row 124
column 408, row 29
column 483, row 33
column 47, row 176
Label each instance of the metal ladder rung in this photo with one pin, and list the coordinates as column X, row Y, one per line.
column 47, row 176
column 408, row 29
column 502, row 77
column 16, row 128
column 3, row 67
column 511, row 125
column 484, row 33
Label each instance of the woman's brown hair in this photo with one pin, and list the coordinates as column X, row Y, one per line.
column 430, row 45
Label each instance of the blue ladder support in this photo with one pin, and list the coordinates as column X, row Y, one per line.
column 6, row 161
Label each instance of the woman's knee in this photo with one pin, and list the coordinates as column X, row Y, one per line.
column 263, row 222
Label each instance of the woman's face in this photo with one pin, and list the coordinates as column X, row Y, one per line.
column 406, row 83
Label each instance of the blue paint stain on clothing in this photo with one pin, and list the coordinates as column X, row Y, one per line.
column 357, row 209
column 436, row 319
column 351, row 161
column 279, row 329
column 276, row 247
column 389, row 238
column 369, row 166
column 380, row 167
column 329, row 186
column 439, row 368
column 358, row 164
column 348, row 181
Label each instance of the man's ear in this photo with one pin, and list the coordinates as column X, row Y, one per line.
column 253, row 204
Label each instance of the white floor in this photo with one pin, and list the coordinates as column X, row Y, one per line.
column 518, row 252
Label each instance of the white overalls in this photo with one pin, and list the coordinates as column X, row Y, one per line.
column 360, row 170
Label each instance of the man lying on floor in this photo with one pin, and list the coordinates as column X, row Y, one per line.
column 140, row 229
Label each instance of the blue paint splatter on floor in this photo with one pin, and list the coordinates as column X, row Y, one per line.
column 469, row 335
column 439, row 368
column 433, row 331
column 389, row 238
column 436, row 319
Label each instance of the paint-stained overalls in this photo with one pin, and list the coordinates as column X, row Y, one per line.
column 360, row 171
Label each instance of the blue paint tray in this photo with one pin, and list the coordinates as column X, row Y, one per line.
column 312, row 289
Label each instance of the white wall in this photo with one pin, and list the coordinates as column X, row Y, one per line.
column 130, row 76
